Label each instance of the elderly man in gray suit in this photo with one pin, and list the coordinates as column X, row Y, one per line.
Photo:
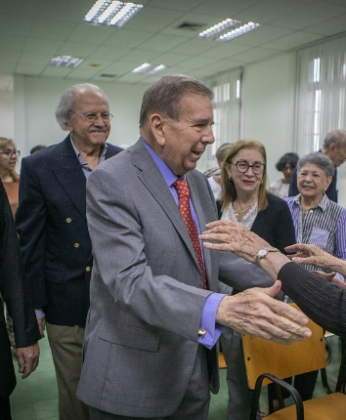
column 149, row 349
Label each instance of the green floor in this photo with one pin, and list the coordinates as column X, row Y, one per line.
column 35, row 398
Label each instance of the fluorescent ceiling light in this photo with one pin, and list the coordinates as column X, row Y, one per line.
column 65, row 61
column 228, row 29
column 147, row 68
column 111, row 13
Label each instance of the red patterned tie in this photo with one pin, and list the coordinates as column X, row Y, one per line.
column 183, row 194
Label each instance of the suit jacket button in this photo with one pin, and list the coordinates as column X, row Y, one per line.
column 68, row 220
column 76, row 245
column 87, row 268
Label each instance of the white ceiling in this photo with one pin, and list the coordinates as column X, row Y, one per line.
column 33, row 31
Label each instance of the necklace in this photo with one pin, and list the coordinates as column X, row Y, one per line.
column 237, row 213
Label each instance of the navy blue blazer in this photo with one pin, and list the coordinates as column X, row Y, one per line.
column 54, row 237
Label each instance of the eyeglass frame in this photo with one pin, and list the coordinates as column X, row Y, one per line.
column 10, row 152
column 248, row 166
column 86, row 115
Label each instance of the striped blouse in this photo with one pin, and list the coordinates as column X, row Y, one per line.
column 324, row 226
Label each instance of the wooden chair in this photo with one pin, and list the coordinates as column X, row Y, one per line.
column 266, row 361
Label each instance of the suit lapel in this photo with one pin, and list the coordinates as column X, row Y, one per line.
column 151, row 177
column 200, row 199
column 70, row 175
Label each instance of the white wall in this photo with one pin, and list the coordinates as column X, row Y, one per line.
column 6, row 114
column 35, row 101
column 268, row 107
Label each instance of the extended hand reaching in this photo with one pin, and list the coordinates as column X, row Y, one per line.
column 255, row 312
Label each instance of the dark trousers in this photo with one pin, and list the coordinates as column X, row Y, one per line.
column 5, row 409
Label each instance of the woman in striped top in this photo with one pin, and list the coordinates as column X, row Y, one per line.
column 317, row 220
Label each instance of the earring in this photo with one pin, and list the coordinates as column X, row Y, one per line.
column 230, row 178
column 261, row 181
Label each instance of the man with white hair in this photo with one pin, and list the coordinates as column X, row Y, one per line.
column 54, row 237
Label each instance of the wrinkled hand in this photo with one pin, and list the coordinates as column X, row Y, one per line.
column 255, row 312
column 308, row 254
column 27, row 358
column 233, row 237
column 41, row 325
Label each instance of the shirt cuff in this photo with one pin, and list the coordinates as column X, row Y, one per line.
column 39, row 313
column 209, row 331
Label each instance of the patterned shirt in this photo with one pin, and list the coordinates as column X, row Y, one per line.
column 323, row 226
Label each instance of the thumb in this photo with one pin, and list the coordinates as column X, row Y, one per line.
column 274, row 289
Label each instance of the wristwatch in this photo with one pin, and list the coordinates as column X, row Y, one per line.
column 262, row 253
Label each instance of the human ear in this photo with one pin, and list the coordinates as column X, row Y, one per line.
column 157, row 126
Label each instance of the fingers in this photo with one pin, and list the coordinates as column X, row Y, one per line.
column 41, row 325
column 27, row 358
column 274, row 289
column 254, row 312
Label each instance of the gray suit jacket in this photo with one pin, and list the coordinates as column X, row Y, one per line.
column 146, row 295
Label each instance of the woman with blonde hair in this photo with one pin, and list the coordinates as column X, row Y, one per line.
column 245, row 200
column 8, row 175
column 10, row 180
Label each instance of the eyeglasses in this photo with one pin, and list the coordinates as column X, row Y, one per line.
column 10, row 152
column 243, row 166
column 91, row 117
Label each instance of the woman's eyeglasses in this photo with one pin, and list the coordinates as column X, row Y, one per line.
column 243, row 166
column 10, row 152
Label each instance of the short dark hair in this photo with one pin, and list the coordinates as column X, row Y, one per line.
column 290, row 158
column 165, row 95
column 37, row 148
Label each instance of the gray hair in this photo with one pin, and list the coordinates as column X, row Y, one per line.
column 165, row 95
column 320, row 160
column 336, row 136
column 65, row 106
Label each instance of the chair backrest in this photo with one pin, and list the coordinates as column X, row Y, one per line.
column 264, row 356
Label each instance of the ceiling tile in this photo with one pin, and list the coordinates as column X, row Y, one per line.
column 128, row 39
column 152, row 19
column 223, row 50
column 194, row 46
column 30, row 69
column 256, row 54
column 225, row 8
column 183, row 5
column 307, row 16
column 329, row 27
column 162, row 43
column 42, row 45
column 20, row 7
column 52, row 29
column 15, row 25
column 91, row 34
column 76, row 49
column 293, row 40
column 109, row 53
column 138, row 57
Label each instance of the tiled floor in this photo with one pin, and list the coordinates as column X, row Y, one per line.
column 35, row 398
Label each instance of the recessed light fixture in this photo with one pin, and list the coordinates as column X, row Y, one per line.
column 65, row 61
column 111, row 13
column 228, row 29
column 147, row 68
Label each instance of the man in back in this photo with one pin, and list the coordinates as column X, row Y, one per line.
column 334, row 146
column 154, row 319
column 54, row 237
